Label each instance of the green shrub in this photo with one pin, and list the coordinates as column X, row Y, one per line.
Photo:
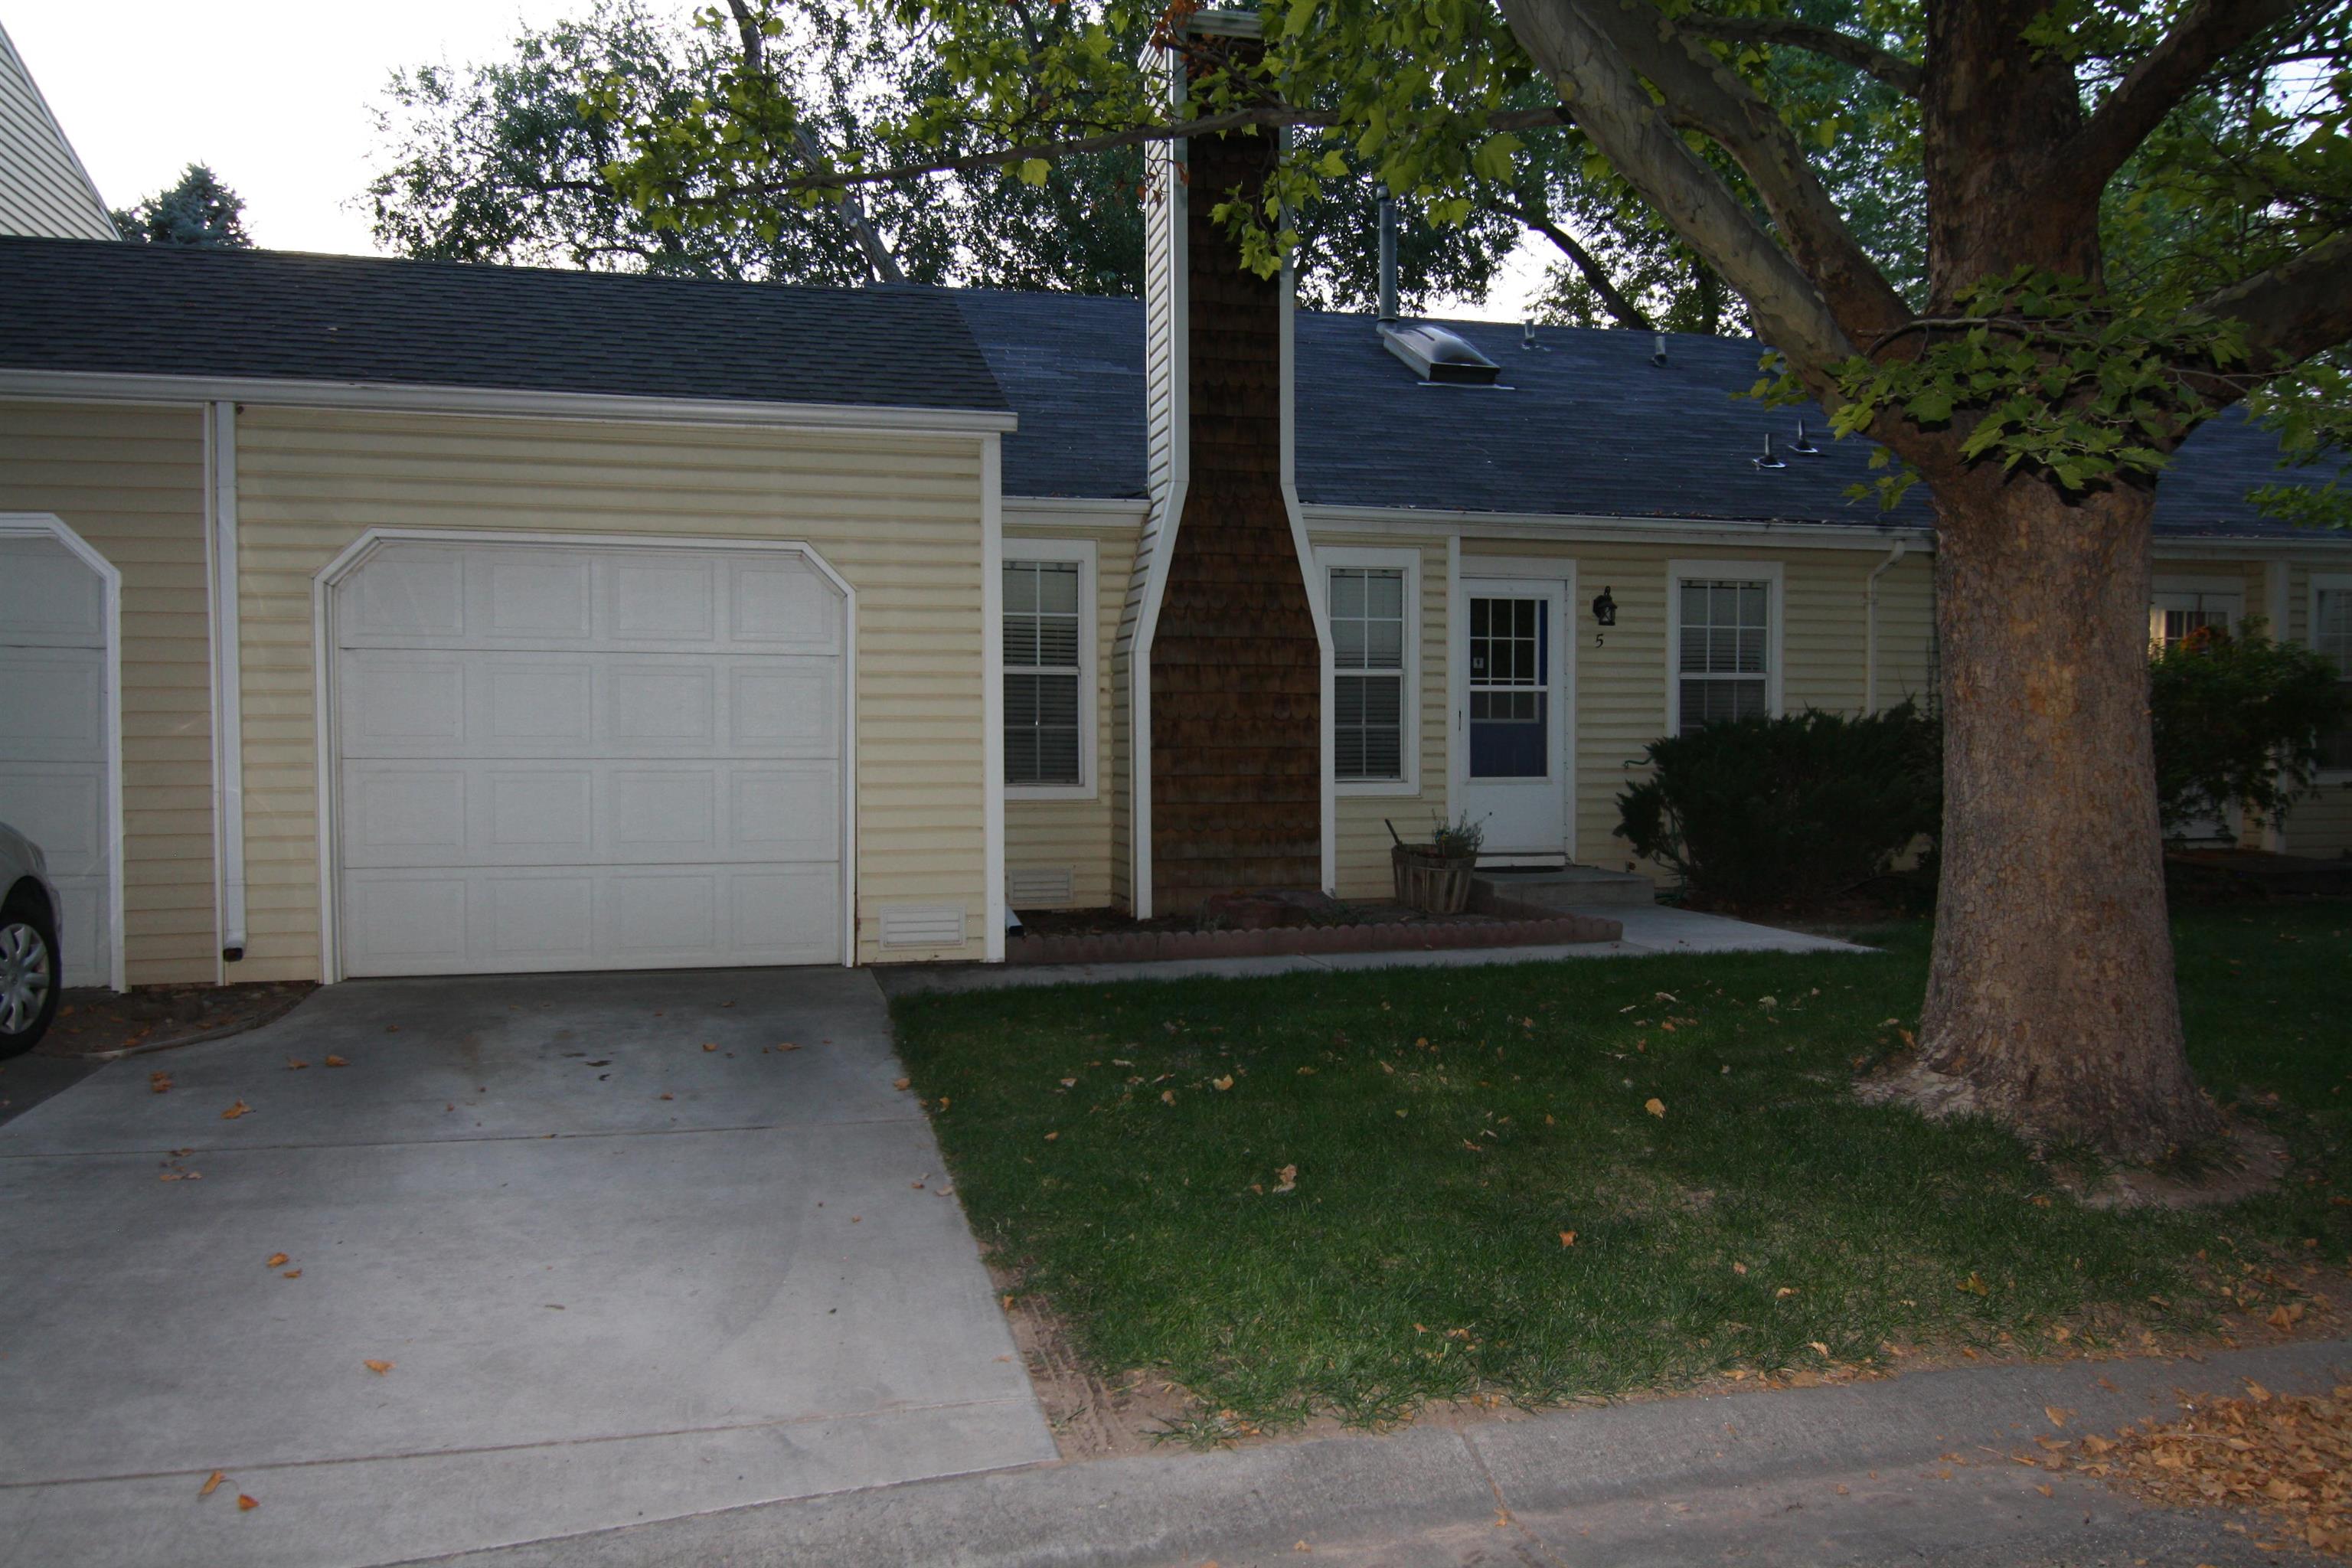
column 1763, row 812
column 2240, row 723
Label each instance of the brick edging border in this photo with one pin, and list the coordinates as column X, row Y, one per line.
column 1546, row 928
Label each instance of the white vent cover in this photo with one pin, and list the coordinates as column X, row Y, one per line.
column 1039, row 887
column 923, row 925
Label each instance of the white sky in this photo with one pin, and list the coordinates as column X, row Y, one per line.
column 275, row 96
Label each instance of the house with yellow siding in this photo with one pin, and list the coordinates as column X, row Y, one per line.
column 374, row 617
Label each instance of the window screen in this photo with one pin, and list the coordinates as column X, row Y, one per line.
column 1724, row 664
column 1368, row 614
column 1041, row 673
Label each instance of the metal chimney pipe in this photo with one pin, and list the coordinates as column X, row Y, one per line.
column 1388, row 258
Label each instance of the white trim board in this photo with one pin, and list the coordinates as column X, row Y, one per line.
column 228, row 679
column 97, row 386
column 991, row 694
column 45, row 524
column 1081, row 553
column 327, row 747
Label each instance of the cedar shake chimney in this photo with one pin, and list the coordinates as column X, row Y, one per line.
column 1224, row 658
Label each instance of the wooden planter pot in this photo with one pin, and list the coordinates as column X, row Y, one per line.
column 1434, row 884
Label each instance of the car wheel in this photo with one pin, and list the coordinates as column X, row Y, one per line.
column 28, row 978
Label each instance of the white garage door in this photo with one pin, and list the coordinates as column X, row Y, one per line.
column 577, row 757
column 53, row 740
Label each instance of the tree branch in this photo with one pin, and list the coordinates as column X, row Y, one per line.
column 1827, row 42
column 879, row 256
column 1629, row 315
column 2167, row 73
column 2294, row 310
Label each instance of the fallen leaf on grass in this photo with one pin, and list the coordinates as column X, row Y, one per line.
column 378, row 1367
column 1221, row 1083
column 1051, row 1136
column 1818, row 1347
column 246, row 1504
column 337, row 1062
column 212, row 1484
column 1784, row 1292
column 233, row 1111
column 1974, row 1285
column 1286, row 1179
column 277, row 1260
column 1655, row 1106
column 1567, row 1238
column 1167, row 1097
column 2286, row 1317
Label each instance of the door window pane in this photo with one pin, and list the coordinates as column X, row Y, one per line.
column 1510, row 688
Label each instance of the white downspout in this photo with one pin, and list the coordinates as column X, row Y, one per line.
column 228, row 699
column 1870, row 628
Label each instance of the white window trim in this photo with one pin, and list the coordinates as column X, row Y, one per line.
column 2317, row 584
column 1081, row 552
column 1768, row 572
column 1408, row 561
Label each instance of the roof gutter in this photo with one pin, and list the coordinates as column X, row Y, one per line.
column 104, row 386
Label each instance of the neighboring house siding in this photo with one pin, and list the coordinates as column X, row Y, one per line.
column 1621, row 685
column 898, row 516
column 1051, row 836
column 130, row 480
column 1363, row 850
column 44, row 191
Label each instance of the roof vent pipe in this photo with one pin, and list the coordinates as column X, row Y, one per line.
column 1388, row 257
column 1658, row 354
column 1769, row 461
column 1803, row 446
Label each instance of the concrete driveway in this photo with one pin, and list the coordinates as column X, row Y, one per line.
column 626, row 1259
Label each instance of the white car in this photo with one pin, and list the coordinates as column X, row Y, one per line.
column 30, row 965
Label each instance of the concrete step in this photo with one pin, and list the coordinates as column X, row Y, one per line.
column 1568, row 887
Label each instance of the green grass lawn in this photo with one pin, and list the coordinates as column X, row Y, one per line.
column 1447, row 1126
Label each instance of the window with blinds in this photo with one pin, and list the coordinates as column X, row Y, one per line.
column 1723, row 667
column 1042, row 671
column 1367, row 674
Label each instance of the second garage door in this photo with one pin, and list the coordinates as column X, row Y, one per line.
column 587, row 757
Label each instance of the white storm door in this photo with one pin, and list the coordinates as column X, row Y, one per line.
column 53, row 737
column 1514, row 726
column 558, row 757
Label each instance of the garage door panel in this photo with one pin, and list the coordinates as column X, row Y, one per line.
column 607, row 758
column 55, row 703
column 49, row 596
column 515, row 920
column 786, row 812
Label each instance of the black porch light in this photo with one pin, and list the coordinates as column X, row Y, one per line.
column 1604, row 609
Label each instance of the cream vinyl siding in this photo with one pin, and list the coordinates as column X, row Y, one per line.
column 1076, row 835
column 1362, row 858
column 130, row 480
column 44, row 191
column 898, row 515
column 1621, row 685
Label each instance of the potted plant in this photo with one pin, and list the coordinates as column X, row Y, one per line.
column 1434, row 878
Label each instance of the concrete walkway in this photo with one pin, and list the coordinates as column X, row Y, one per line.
column 1910, row 1469
column 1649, row 930
column 626, row 1261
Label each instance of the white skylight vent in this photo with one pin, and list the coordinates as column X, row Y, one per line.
column 1439, row 355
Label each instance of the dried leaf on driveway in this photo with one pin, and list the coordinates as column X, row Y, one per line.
column 2057, row 1414
column 378, row 1367
column 233, row 1111
column 212, row 1484
column 900, row 1083
column 277, row 1260
column 159, row 1083
column 246, row 1504
column 294, row 1064
column 337, row 1062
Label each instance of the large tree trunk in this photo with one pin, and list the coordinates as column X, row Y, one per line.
column 2052, row 986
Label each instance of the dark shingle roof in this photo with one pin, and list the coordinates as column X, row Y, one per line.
column 81, row 305
column 1583, row 425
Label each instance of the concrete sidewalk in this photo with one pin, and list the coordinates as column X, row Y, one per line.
column 1649, row 930
column 1915, row 1468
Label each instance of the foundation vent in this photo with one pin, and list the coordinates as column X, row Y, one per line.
column 923, row 925
column 1039, row 886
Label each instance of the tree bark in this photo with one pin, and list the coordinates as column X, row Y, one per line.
column 2051, row 988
